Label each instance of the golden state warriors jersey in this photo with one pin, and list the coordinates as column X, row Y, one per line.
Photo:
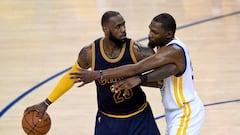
column 178, row 90
column 126, row 101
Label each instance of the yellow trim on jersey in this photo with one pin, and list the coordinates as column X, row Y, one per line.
column 93, row 56
column 127, row 115
column 181, row 102
column 178, row 91
column 106, row 57
column 64, row 84
column 182, row 130
column 132, row 52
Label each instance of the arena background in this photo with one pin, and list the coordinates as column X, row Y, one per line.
column 40, row 40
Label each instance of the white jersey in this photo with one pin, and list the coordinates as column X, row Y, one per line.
column 179, row 90
column 184, row 111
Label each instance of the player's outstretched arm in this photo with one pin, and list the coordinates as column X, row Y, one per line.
column 64, row 84
column 165, row 55
column 85, row 76
column 152, row 79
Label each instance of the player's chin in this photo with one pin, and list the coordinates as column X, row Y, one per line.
column 123, row 38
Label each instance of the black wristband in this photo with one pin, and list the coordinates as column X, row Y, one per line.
column 143, row 78
column 101, row 74
column 47, row 102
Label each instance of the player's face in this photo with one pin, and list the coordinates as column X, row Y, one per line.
column 117, row 29
column 157, row 36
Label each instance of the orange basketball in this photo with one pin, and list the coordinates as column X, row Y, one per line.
column 32, row 126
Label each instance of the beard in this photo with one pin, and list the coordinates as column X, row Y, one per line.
column 116, row 40
column 151, row 44
column 161, row 43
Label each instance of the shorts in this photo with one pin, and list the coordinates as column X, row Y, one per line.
column 186, row 120
column 142, row 123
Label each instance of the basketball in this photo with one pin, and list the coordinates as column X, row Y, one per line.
column 32, row 126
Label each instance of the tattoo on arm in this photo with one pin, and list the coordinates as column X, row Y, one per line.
column 84, row 58
column 142, row 51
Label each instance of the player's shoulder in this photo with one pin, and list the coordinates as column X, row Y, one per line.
column 141, row 47
column 86, row 50
column 142, row 51
column 85, row 56
column 177, row 44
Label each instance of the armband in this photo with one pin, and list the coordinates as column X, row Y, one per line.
column 143, row 78
column 47, row 102
column 101, row 74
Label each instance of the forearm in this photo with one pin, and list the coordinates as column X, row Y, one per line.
column 64, row 84
column 152, row 62
column 156, row 84
column 120, row 72
column 161, row 73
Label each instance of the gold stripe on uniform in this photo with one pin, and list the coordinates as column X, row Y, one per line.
column 93, row 56
column 109, row 59
column 181, row 102
column 188, row 118
column 182, row 130
column 127, row 115
column 181, row 90
column 178, row 91
column 132, row 52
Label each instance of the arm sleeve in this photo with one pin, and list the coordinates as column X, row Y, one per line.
column 64, row 84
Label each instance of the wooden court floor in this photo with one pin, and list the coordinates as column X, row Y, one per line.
column 39, row 39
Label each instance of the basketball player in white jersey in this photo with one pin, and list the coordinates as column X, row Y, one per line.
column 184, row 110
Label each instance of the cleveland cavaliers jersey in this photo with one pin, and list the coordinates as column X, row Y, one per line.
column 178, row 90
column 126, row 101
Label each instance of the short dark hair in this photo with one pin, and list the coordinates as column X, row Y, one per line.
column 107, row 15
column 167, row 20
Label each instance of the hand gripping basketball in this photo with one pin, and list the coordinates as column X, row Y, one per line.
column 36, row 121
column 32, row 125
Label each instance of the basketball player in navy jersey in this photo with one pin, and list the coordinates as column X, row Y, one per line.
column 184, row 111
column 123, row 113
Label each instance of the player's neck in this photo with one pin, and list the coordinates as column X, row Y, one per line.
column 110, row 45
column 111, row 49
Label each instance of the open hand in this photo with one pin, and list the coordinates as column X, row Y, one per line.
column 126, row 84
column 84, row 76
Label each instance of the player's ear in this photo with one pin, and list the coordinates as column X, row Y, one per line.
column 169, row 34
column 105, row 29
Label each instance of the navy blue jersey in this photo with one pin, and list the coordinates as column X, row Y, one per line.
column 126, row 101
